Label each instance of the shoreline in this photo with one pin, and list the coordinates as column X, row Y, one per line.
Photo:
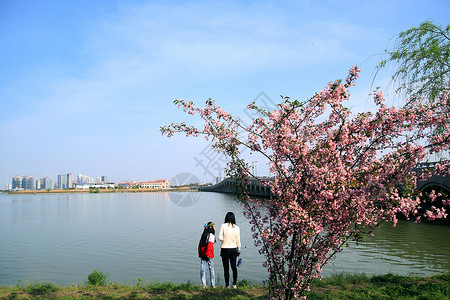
column 100, row 191
column 337, row 286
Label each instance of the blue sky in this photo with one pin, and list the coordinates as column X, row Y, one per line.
column 85, row 85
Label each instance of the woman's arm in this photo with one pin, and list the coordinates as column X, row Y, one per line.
column 221, row 233
column 238, row 237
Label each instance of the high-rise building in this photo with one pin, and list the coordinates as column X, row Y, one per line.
column 65, row 181
column 69, row 181
column 28, row 183
column 44, row 183
column 16, row 182
column 62, row 181
column 84, row 179
column 80, row 178
column 48, row 184
column 40, row 184
column 104, row 178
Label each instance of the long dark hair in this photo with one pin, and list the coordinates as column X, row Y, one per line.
column 208, row 228
column 230, row 218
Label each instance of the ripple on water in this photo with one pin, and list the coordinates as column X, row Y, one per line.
column 63, row 238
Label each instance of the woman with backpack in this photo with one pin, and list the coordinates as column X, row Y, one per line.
column 206, row 253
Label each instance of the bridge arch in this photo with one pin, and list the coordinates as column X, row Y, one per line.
column 442, row 190
column 437, row 186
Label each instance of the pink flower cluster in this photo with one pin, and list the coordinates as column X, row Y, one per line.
column 337, row 175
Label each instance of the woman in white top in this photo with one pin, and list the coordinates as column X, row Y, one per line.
column 230, row 237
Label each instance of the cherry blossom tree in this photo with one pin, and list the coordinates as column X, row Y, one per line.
column 337, row 175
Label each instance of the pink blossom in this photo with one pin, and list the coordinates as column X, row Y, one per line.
column 336, row 174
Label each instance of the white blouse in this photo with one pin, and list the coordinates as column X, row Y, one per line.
column 230, row 236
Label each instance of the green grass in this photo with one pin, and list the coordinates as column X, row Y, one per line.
column 157, row 286
column 338, row 286
column 389, row 286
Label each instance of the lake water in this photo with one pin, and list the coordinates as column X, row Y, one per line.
column 154, row 236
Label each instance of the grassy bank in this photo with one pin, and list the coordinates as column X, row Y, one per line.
column 341, row 286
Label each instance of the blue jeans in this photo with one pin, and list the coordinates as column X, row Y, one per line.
column 210, row 264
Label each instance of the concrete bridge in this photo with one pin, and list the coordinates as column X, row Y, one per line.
column 438, row 183
column 256, row 188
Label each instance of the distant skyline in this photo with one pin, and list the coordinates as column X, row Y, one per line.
column 75, row 178
column 85, row 85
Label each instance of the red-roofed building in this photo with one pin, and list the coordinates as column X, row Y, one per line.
column 157, row 184
column 128, row 184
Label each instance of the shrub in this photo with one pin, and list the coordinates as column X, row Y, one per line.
column 390, row 278
column 97, row 278
column 245, row 283
column 38, row 288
